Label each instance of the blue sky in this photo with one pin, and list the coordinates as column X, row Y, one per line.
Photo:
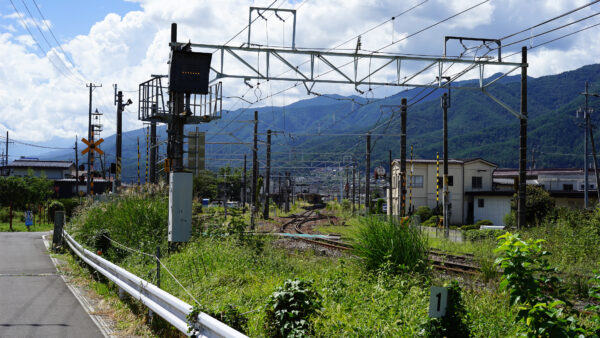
column 123, row 42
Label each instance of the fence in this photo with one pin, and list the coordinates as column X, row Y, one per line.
column 162, row 303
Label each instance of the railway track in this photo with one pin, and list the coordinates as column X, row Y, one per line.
column 461, row 264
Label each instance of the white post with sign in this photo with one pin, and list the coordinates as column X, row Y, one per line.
column 180, row 206
column 438, row 300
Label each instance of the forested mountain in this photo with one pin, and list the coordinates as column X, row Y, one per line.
column 478, row 127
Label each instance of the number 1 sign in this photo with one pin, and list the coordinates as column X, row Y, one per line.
column 438, row 301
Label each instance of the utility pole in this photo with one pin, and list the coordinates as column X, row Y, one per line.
column 445, row 102
column 367, row 175
column 119, row 137
column 76, row 165
column 521, row 196
column 403, row 109
column 595, row 162
column 268, row 176
column 153, row 152
column 138, row 160
column 175, row 126
column 390, row 196
column 254, row 172
column 90, row 159
column 586, row 116
column 245, row 188
column 353, row 187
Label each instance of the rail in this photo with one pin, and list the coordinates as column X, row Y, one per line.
column 162, row 303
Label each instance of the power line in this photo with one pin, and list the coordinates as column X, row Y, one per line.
column 35, row 145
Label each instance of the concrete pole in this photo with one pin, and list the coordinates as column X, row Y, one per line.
column 521, row 197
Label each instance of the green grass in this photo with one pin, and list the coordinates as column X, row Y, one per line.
column 20, row 227
column 221, row 270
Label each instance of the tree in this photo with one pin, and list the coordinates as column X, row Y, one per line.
column 14, row 194
column 205, row 185
column 538, row 204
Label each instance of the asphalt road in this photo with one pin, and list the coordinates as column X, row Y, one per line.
column 34, row 300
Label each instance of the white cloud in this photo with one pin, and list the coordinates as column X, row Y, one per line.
column 53, row 102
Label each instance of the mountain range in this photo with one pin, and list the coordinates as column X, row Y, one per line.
column 307, row 133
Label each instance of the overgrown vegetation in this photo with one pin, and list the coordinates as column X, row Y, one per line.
column 381, row 240
column 257, row 285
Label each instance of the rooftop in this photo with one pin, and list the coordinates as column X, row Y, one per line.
column 29, row 163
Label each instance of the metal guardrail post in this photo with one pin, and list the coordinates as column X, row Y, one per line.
column 158, row 266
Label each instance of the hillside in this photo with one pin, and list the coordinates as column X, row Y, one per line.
column 478, row 127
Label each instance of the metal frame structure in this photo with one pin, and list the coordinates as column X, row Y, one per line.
column 276, row 11
column 376, row 64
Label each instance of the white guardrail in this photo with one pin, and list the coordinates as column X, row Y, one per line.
column 162, row 303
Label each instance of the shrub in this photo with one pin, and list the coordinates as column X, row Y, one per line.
column 228, row 314
column 538, row 203
column 484, row 222
column 54, row 206
column 69, row 205
column 4, row 215
column 456, row 321
column 479, row 235
column 346, row 205
column 289, row 309
column 531, row 283
column 431, row 221
column 509, row 219
column 470, row 227
column 381, row 241
column 424, row 212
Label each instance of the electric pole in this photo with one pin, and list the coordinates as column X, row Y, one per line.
column 76, row 165
column 521, row 196
column 268, row 176
column 595, row 162
column 90, row 159
column 446, row 194
column 390, row 197
column 353, row 186
column 254, row 171
column 403, row 109
column 367, row 175
column 154, row 152
column 586, row 116
column 245, row 189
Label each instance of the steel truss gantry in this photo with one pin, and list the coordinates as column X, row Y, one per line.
column 382, row 69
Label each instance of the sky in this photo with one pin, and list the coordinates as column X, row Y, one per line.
column 69, row 44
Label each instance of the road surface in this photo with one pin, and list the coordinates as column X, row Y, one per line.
column 34, row 300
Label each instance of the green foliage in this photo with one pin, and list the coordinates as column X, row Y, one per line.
column 432, row 221
column 53, row 207
column 457, row 320
column 510, row 219
column 424, row 213
column 69, row 205
column 136, row 220
column 538, row 203
column 346, row 205
column 532, row 284
column 380, row 240
column 228, row 314
column 479, row 235
column 4, row 215
column 469, row 227
column 484, row 222
column 377, row 208
column 205, row 185
column 289, row 309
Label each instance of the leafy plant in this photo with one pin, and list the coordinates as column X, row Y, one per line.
column 484, row 222
column 457, row 319
column 380, row 240
column 532, row 285
column 424, row 213
column 228, row 314
column 289, row 309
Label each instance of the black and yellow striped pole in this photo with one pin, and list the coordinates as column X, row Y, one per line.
column 437, row 180
column 411, row 181
column 147, row 151
column 138, row 162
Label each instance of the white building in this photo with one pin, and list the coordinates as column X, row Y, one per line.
column 470, row 186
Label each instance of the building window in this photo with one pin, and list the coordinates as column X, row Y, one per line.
column 417, row 181
column 567, row 187
column 476, row 182
column 480, row 202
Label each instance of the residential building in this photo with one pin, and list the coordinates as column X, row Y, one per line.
column 53, row 170
column 470, row 186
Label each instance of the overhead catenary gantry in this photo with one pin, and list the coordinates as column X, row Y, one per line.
column 264, row 63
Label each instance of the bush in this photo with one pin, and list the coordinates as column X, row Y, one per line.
column 228, row 314
column 54, row 206
column 424, row 212
column 509, row 219
column 480, row 235
column 4, row 215
column 470, row 227
column 431, row 221
column 538, row 203
column 456, row 321
column 69, row 205
column 289, row 309
column 381, row 241
column 484, row 222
